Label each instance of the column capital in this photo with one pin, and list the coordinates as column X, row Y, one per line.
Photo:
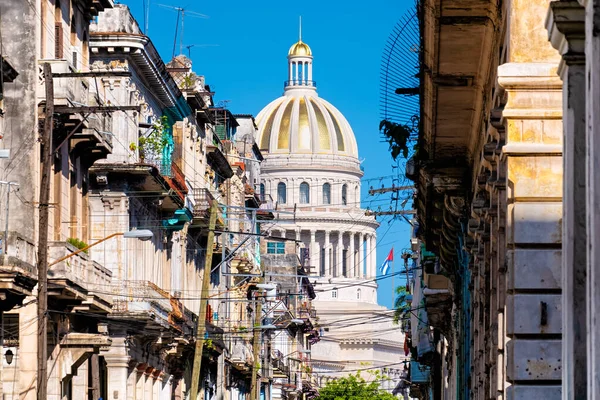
column 565, row 23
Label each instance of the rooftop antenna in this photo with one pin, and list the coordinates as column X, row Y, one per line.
column 182, row 11
column 189, row 48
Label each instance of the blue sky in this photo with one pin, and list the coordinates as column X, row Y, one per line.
column 249, row 65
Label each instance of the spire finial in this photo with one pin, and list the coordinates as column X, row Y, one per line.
column 300, row 30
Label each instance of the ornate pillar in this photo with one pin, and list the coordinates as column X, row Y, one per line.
column 361, row 255
column 314, row 254
column 566, row 27
column 351, row 259
column 340, row 255
column 327, row 266
column 117, row 365
column 373, row 255
column 534, row 167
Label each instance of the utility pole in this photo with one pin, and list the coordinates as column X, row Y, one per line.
column 254, row 387
column 42, row 267
column 201, row 329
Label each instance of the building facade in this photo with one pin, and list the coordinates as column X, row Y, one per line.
column 312, row 168
column 505, row 193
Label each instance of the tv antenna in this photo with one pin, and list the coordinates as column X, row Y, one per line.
column 181, row 12
column 189, row 48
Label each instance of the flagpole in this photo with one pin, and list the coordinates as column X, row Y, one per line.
column 393, row 288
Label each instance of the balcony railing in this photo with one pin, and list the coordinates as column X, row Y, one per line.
column 202, row 201
column 67, row 91
column 79, row 271
column 300, row 82
column 141, row 297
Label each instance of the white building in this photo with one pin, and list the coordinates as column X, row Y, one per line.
column 311, row 166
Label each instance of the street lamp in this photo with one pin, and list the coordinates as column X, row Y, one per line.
column 9, row 356
column 141, row 234
column 298, row 351
column 266, row 327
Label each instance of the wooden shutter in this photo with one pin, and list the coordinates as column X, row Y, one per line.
column 58, row 40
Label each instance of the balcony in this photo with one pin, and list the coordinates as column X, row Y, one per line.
column 438, row 300
column 144, row 303
column 18, row 273
column 78, row 281
column 202, row 199
column 218, row 162
column 280, row 369
column 241, row 357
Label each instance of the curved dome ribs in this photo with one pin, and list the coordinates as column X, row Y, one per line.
column 324, row 136
column 300, row 122
column 304, row 132
column 338, row 131
column 283, row 138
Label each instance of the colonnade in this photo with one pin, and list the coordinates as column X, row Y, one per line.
column 337, row 253
column 300, row 72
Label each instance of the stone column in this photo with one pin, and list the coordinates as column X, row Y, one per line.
column 373, row 256
column 117, row 365
column 592, row 51
column 566, row 27
column 533, row 156
column 328, row 271
column 350, row 263
column 314, row 253
column 340, row 254
column 361, row 255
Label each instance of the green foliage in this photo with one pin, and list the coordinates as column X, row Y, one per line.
column 189, row 80
column 80, row 244
column 208, row 343
column 152, row 145
column 397, row 135
column 401, row 305
column 354, row 387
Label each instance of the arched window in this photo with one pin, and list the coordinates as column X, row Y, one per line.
column 281, row 193
column 304, row 193
column 357, row 294
column 326, row 193
column 262, row 192
column 345, row 195
column 334, row 293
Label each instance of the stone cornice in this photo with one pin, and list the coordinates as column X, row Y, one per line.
column 565, row 23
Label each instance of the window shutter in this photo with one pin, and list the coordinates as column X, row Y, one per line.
column 58, row 40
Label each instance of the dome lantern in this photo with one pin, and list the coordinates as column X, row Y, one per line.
column 300, row 65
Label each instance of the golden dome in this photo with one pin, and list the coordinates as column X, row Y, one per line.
column 300, row 49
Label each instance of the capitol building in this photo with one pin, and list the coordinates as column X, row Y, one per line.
column 312, row 167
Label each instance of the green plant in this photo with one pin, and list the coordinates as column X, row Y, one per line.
column 401, row 304
column 353, row 387
column 189, row 81
column 398, row 135
column 80, row 244
column 152, row 145
column 208, row 343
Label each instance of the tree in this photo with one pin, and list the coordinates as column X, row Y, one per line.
column 401, row 304
column 355, row 387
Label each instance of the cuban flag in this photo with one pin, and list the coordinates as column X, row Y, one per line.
column 385, row 267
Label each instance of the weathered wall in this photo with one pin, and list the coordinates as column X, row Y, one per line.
column 19, row 21
column 533, row 229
